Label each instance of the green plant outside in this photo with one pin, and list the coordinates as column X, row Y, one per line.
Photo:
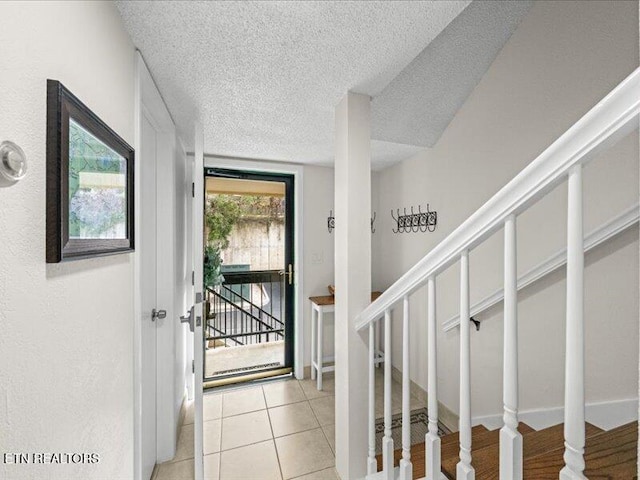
column 222, row 213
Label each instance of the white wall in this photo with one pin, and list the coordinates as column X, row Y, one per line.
column 563, row 58
column 318, row 249
column 66, row 348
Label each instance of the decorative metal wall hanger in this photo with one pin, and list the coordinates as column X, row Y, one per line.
column 415, row 221
column 331, row 222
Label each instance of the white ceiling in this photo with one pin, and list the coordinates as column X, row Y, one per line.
column 264, row 77
column 417, row 105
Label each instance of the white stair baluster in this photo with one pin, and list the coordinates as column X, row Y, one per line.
column 371, row 462
column 432, row 439
column 378, row 337
column 387, row 441
column 574, row 426
column 464, row 470
column 406, row 468
column 510, row 437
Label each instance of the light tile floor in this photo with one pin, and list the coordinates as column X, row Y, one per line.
column 281, row 430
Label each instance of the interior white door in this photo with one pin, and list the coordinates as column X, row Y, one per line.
column 147, row 243
column 198, row 341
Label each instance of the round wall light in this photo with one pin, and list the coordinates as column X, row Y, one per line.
column 13, row 163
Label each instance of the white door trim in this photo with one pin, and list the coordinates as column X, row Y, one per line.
column 297, row 171
column 149, row 103
column 198, row 343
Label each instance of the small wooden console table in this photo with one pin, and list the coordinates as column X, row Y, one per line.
column 319, row 306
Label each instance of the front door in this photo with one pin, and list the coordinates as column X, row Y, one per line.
column 248, row 275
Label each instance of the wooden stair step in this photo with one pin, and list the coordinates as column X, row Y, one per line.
column 454, row 437
column 450, row 454
column 418, row 452
column 611, row 455
column 486, row 461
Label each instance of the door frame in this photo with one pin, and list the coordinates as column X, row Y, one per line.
column 149, row 103
column 215, row 161
column 289, row 181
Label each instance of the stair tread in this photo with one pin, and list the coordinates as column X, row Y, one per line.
column 454, row 437
column 609, row 455
column 450, row 455
column 486, row 461
column 418, row 452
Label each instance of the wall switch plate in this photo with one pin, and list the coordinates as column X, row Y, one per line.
column 317, row 258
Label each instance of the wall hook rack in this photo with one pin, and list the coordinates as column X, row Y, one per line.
column 331, row 222
column 414, row 221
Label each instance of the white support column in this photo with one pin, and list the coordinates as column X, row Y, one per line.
column 353, row 279
column 510, row 438
column 574, row 427
column 432, row 439
column 372, row 466
column 406, row 468
column 387, row 440
column 464, row 470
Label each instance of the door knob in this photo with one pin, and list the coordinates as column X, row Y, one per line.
column 158, row 314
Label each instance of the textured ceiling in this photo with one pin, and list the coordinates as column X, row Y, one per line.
column 416, row 107
column 264, row 77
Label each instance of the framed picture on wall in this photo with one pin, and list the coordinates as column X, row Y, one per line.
column 90, row 178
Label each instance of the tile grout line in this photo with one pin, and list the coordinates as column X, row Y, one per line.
column 273, row 437
column 221, row 427
column 324, row 434
column 315, row 471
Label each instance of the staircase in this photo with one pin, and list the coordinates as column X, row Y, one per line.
column 610, row 455
column 572, row 451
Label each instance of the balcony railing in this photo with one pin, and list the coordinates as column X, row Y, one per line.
column 246, row 309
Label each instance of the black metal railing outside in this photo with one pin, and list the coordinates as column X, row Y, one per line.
column 248, row 308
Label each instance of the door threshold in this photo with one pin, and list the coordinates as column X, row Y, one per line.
column 246, row 378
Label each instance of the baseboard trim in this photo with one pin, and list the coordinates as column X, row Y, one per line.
column 183, row 413
column 605, row 415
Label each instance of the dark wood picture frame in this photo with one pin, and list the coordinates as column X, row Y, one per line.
column 61, row 106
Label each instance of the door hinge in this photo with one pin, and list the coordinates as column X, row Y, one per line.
column 193, row 190
column 193, row 366
column 193, row 277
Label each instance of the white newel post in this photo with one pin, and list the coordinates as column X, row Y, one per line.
column 406, row 468
column 353, row 280
column 464, row 470
column 372, row 466
column 432, row 439
column 510, row 438
column 387, row 440
column 574, row 427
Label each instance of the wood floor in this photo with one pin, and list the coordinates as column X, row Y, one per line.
column 610, row 455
